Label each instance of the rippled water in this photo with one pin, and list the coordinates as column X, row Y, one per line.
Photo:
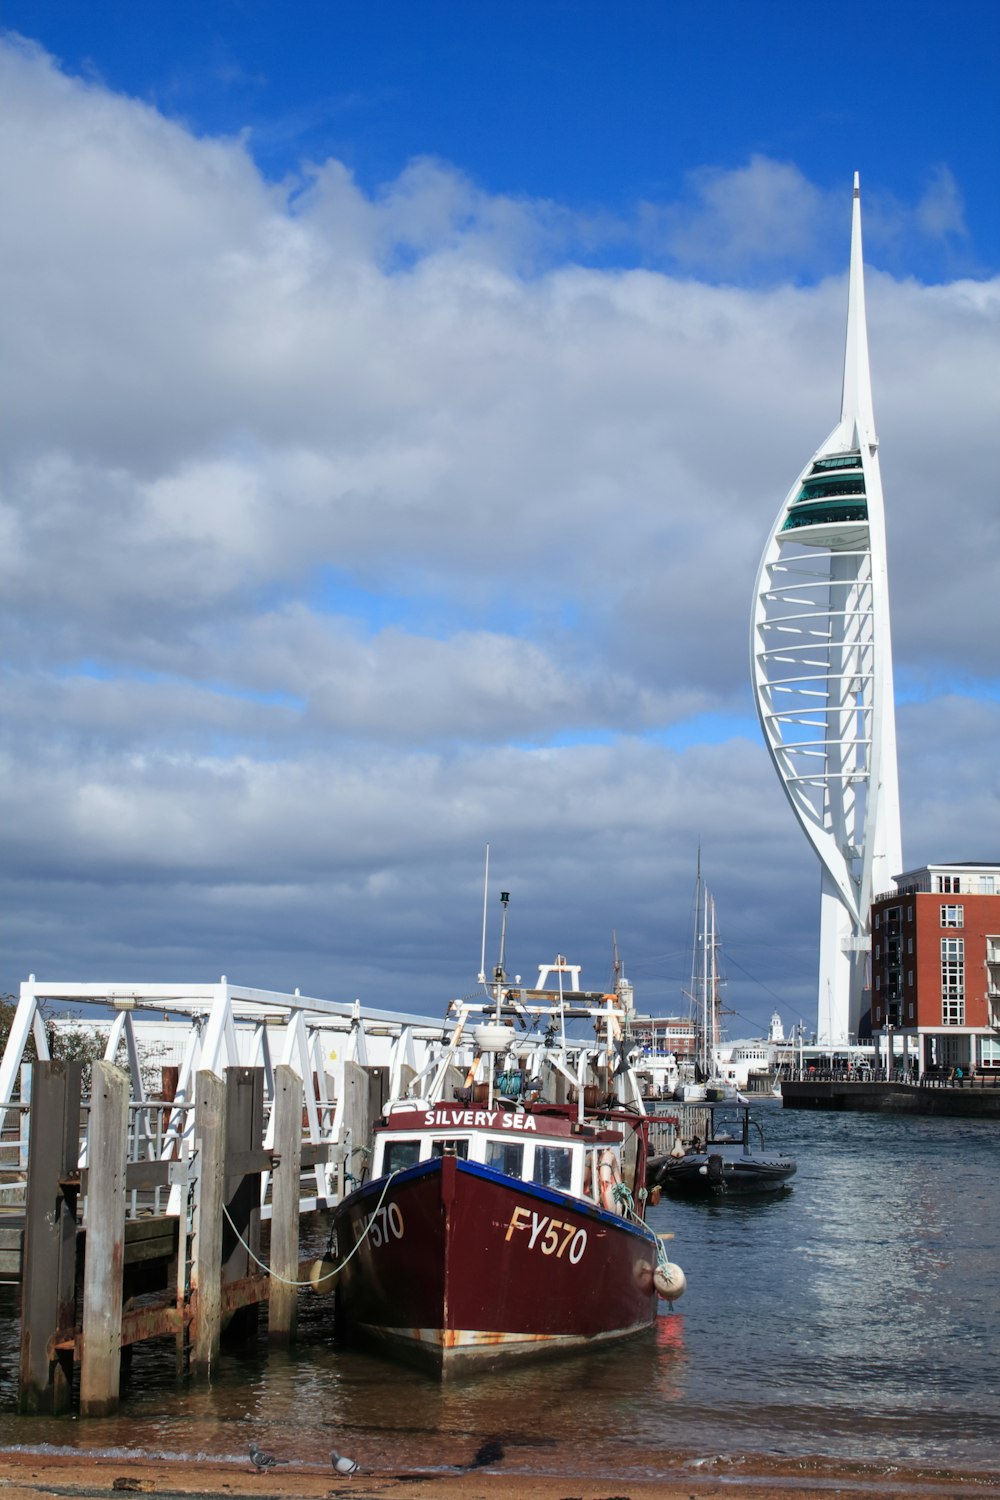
column 852, row 1317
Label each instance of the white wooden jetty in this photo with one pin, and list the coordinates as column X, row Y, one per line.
column 155, row 1205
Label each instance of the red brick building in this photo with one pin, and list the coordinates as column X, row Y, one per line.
column 935, row 972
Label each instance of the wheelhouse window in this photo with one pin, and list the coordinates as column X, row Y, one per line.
column 451, row 1146
column 553, row 1167
column 400, row 1154
column 506, row 1157
column 953, row 916
column 953, row 981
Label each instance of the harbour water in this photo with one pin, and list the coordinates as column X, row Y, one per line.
column 852, row 1317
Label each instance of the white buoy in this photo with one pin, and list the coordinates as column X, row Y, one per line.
column 669, row 1281
column 321, row 1275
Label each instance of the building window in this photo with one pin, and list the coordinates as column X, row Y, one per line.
column 878, row 950
column 949, row 884
column 953, row 981
column 987, row 885
column 989, row 1053
column 909, row 1010
column 878, row 981
column 909, row 913
column 953, row 916
column 909, row 980
column 909, row 945
column 878, row 919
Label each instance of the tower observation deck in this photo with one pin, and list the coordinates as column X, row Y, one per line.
column 821, row 665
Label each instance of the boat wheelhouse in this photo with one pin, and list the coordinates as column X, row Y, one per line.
column 547, row 1149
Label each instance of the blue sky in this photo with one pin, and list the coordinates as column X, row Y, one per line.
column 397, row 398
column 596, row 108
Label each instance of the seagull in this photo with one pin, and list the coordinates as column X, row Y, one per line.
column 262, row 1460
column 344, row 1465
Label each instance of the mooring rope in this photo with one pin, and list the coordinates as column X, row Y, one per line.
column 337, row 1268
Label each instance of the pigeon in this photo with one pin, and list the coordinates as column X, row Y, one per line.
column 262, row 1460
column 490, row 1452
column 344, row 1465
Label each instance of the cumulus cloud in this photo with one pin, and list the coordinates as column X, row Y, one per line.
column 766, row 213
column 341, row 533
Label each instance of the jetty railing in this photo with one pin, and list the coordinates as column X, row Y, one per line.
column 977, row 1080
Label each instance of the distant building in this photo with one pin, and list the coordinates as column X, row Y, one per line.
column 936, row 965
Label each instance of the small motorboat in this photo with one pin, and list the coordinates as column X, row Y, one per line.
column 731, row 1159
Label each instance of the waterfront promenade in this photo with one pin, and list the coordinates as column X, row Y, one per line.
column 973, row 1098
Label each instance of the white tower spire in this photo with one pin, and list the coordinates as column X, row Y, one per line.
column 821, row 663
column 856, row 400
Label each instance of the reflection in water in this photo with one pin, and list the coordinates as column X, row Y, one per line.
column 861, row 1296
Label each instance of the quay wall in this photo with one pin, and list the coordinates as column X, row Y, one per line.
column 895, row 1098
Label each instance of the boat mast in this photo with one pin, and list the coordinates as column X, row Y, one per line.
column 714, row 997
column 486, row 891
column 500, row 973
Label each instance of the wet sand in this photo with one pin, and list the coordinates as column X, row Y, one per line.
column 72, row 1473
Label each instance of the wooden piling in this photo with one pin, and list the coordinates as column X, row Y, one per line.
column 286, row 1191
column 357, row 1123
column 100, row 1348
column 244, row 1162
column 48, row 1291
column 206, row 1247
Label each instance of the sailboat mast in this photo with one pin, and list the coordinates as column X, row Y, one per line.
column 714, row 999
column 704, row 984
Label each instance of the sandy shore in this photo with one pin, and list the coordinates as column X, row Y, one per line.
column 74, row 1473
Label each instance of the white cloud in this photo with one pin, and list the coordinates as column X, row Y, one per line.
column 941, row 210
column 764, row 213
column 330, row 524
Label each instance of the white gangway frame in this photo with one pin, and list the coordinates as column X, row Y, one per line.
column 216, row 1014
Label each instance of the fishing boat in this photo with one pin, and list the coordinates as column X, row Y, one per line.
column 730, row 1159
column 505, row 1214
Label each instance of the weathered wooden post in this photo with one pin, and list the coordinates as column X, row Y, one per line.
column 48, row 1289
column 206, row 1246
column 243, row 1166
column 357, row 1120
column 101, row 1344
column 286, row 1193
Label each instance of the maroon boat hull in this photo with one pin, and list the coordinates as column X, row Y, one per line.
column 457, row 1264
